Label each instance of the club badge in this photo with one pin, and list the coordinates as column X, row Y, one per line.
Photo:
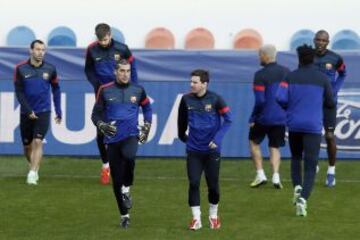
column 46, row 76
column 133, row 99
column 117, row 57
column 208, row 107
column 328, row 66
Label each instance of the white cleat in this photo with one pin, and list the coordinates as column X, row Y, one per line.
column 32, row 178
column 195, row 224
column 301, row 207
column 297, row 193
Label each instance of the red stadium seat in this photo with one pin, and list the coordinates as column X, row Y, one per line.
column 248, row 39
column 160, row 38
column 199, row 38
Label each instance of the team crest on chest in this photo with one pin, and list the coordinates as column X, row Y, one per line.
column 46, row 76
column 133, row 99
column 117, row 57
column 328, row 66
column 208, row 107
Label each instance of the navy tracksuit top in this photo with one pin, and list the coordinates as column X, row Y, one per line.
column 203, row 117
column 120, row 103
column 303, row 94
column 266, row 110
column 331, row 63
column 32, row 88
column 101, row 61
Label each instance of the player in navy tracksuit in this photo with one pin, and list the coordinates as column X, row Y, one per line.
column 33, row 79
column 267, row 118
column 116, row 113
column 101, row 59
column 333, row 66
column 304, row 94
column 202, row 112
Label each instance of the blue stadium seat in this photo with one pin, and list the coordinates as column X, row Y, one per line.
column 304, row 36
column 345, row 40
column 62, row 37
column 20, row 36
column 117, row 35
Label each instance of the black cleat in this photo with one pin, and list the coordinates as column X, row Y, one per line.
column 125, row 222
column 126, row 200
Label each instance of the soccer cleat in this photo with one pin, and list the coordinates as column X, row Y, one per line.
column 297, row 193
column 258, row 182
column 125, row 222
column 330, row 180
column 31, row 178
column 105, row 176
column 126, row 200
column 195, row 225
column 214, row 223
column 278, row 185
column 301, row 207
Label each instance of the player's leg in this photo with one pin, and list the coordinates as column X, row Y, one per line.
column 329, row 125
column 276, row 135
column 26, row 132
column 256, row 136
column 296, row 149
column 105, row 169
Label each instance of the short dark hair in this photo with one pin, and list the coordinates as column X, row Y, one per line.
column 203, row 74
column 32, row 44
column 121, row 62
column 101, row 30
column 306, row 54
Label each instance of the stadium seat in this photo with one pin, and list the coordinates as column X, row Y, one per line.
column 62, row 37
column 117, row 35
column 20, row 36
column 304, row 36
column 160, row 38
column 345, row 40
column 199, row 38
column 248, row 39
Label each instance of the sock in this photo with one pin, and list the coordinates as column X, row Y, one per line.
column 32, row 172
column 125, row 189
column 276, row 178
column 331, row 170
column 124, row 216
column 261, row 174
column 196, row 212
column 213, row 210
column 105, row 165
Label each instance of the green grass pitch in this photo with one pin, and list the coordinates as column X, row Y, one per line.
column 69, row 203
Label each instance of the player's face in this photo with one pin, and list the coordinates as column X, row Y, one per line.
column 38, row 52
column 197, row 87
column 321, row 41
column 105, row 41
column 123, row 74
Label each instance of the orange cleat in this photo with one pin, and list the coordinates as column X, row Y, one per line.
column 105, row 176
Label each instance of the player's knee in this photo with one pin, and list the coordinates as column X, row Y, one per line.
column 194, row 184
column 329, row 136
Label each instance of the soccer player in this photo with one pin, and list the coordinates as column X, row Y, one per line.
column 268, row 118
column 33, row 80
column 208, row 118
column 304, row 94
column 115, row 114
column 101, row 59
column 333, row 66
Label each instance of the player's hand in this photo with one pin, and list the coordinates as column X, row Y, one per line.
column 212, row 145
column 107, row 129
column 144, row 132
column 252, row 124
column 57, row 120
column 33, row 116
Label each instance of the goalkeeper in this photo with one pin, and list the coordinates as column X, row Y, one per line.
column 116, row 113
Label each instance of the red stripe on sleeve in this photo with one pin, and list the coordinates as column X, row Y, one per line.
column 224, row 110
column 145, row 101
column 259, row 88
column 341, row 68
column 101, row 88
column 131, row 59
column 284, row 84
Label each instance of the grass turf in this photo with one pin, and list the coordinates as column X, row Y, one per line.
column 69, row 203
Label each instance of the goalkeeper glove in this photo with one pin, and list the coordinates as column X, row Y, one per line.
column 107, row 128
column 144, row 132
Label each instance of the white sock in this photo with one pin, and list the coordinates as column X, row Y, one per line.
column 105, row 165
column 124, row 216
column 261, row 174
column 331, row 170
column 196, row 212
column 213, row 210
column 276, row 178
column 32, row 172
column 125, row 189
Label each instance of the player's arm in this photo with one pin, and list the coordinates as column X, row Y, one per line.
column 147, row 111
column 55, row 88
column 341, row 69
column 259, row 94
column 90, row 70
column 182, row 122
column 224, row 110
column 328, row 95
column 19, row 91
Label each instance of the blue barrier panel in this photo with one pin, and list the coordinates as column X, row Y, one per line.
column 165, row 76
